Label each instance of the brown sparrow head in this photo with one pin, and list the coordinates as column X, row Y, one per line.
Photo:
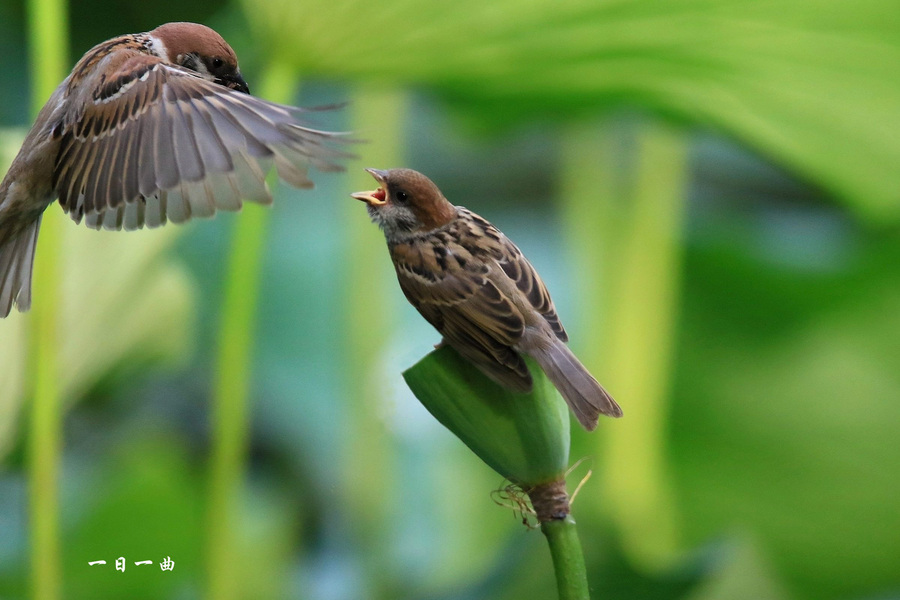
column 200, row 49
column 477, row 289
column 149, row 128
column 406, row 202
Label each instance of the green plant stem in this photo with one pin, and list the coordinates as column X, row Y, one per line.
column 49, row 41
column 378, row 116
column 44, row 435
column 568, row 558
column 49, row 46
column 229, row 408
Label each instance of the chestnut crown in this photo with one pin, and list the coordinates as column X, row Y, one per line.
column 201, row 49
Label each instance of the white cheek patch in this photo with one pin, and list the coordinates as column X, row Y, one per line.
column 157, row 48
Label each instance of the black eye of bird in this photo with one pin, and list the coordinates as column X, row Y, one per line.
column 217, row 63
column 401, row 197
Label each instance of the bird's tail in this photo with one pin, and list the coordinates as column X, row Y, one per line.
column 587, row 398
column 16, row 264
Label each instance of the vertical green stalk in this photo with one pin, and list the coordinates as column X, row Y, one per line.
column 568, row 559
column 232, row 377
column 378, row 117
column 49, row 41
column 551, row 506
column 634, row 231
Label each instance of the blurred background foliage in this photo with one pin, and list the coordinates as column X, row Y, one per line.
column 709, row 187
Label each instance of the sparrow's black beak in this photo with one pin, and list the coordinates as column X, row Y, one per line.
column 234, row 81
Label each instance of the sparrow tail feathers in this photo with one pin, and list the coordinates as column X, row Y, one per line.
column 587, row 398
column 16, row 264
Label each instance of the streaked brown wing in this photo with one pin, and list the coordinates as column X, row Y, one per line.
column 156, row 143
column 493, row 243
column 466, row 307
column 517, row 268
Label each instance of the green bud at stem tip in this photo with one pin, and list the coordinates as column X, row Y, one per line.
column 524, row 437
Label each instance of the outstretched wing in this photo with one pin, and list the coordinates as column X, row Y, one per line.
column 152, row 143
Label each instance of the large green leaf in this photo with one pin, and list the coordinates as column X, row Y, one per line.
column 811, row 84
column 784, row 417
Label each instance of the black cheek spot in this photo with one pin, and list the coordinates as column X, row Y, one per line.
column 189, row 62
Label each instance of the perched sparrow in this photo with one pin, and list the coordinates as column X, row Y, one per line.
column 478, row 290
column 148, row 128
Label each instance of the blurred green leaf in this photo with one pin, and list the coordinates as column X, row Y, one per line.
column 743, row 573
column 143, row 503
column 811, row 84
column 785, row 414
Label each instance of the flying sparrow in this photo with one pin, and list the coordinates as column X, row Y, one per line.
column 477, row 289
column 149, row 128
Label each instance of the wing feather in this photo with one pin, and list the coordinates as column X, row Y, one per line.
column 187, row 155
column 482, row 234
column 134, row 216
column 152, row 143
column 466, row 306
column 144, row 166
column 165, row 167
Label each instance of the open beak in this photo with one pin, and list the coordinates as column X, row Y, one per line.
column 375, row 197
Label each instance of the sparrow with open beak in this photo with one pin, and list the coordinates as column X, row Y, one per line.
column 477, row 289
column 149, row 128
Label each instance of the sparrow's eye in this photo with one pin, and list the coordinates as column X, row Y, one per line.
column 217, row 63
column 402, row 197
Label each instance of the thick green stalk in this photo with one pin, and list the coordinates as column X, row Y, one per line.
column 631, row 226
column 45, row 426
column 230, row 422
column 568, row 559
column 49, row 42
column 378, row 117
